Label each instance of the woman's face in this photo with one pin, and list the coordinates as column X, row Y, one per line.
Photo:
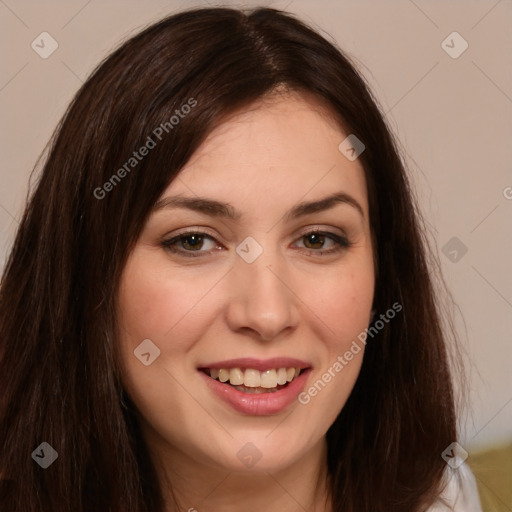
column 253, row 294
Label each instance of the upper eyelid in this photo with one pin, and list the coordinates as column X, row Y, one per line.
column 204, row 231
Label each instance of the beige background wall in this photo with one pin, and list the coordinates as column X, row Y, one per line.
column 452, row 115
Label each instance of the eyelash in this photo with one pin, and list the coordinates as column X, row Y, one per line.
column 340, row 241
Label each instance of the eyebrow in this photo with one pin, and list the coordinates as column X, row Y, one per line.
column 224, row 210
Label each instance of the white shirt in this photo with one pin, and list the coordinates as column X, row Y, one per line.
column 460, row 492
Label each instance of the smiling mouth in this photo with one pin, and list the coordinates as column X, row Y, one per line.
column 252, row 381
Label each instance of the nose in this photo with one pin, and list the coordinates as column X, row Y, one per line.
column 262, row 299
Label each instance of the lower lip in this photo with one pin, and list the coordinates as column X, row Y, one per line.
column 261, row 404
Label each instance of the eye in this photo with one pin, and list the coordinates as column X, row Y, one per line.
column 315, row 241
column 190, row 243
column 197, row 243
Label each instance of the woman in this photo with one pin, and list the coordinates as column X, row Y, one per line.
column 219, row 295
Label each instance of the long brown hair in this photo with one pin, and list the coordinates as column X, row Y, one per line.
column 59, row 369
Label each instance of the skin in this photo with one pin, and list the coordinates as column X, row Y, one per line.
column 291, row 301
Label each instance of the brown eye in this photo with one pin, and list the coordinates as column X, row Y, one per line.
column 314, row 239
column 192, row 241
column 190, row 244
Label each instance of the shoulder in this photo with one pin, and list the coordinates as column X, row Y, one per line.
column 460, row 493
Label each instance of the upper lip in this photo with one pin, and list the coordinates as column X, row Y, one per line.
column 259, row 364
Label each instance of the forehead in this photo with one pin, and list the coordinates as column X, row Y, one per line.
column 281, row 148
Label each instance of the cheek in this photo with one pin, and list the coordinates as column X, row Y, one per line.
column 146, row 307
column 151, row 308
column 343, row 302
column 151, row 305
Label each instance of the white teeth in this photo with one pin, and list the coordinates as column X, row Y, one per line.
column 252, row 378
column 223, row 375
column 269, row 379
column 236, row 376
column 281, row 376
